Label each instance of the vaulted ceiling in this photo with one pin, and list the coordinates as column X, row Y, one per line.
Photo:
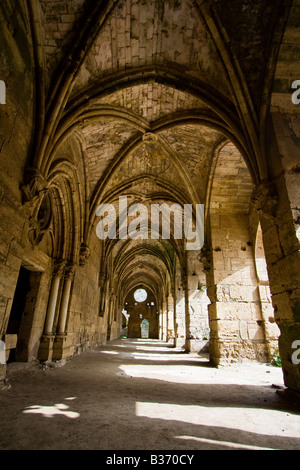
column 151, row 92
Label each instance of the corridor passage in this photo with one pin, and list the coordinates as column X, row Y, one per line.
column 136, row 394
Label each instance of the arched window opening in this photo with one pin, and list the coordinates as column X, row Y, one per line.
column 268, row 317
column 260, row 259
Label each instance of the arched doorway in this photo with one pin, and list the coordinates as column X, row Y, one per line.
column 142, row 311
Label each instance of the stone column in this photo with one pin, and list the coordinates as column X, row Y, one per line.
column 279, row 206
column 69, row 277
column 56, row 280
column 170, row 332
column 161, row 324
column 185, row 285
column 280, row 220
column 175, row 324
column 62, row 344
column 164, row 320
column 180, row 318
column 47, row 341
column 110, row 316
column 102, row 293
column 235, row 316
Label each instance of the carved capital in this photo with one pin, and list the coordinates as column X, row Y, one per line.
column 70, row 271
column 265, row 199
column 184, row 280
column 59, row 268
column 205, row 257
column 35, row 233
column 40, row 217
column 84, row 254
column 150, row 138
column 102, row 279
column 34, row 187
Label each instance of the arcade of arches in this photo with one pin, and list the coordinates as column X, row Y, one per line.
column 176, row 102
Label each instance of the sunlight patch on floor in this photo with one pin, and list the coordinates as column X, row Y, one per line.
column 51, row 411
column 251, row 420
column 230, row 445
column 178, row 374
column 153, row 357
column 195, row 373
column 162, row 349
column 112, row 353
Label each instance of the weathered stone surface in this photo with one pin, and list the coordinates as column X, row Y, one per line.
column 159, row 102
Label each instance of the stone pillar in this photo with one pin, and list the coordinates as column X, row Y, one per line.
column 47, row 340
column 115, row 317
column 164, row 320
column 235, row 314
column 180, row 319
column 278, row 205
column 64, row 307
column 62, row 322
column 161, row 324
column 62, row 347
column 170, row 315
column 52, row 305
column 198, row 309
column 56, row 280
column 110, row 316
column 269, row 325
column 102, row 289
column 188, row 334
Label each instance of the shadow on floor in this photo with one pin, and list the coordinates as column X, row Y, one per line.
column 113, row 399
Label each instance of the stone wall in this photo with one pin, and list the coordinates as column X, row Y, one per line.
column 235, row 314
column 81, row 109
column 86, row 327
column 16, row 124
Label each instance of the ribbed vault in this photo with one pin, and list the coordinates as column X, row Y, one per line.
column 139, row 104
column 151, row 93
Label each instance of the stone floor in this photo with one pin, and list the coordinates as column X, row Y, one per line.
column 144, row 395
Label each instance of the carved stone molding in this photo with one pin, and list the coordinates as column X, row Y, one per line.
column 265, row 199
column 205, row 257
column 35, row 233
column 34, row 187
column 102, row 279
column 84, row 254
column 40, row 221
column 59, row 268
column 37, row 204
column 70, row 271
column 149, row 138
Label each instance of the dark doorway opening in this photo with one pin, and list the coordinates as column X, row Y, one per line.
column 22, row 312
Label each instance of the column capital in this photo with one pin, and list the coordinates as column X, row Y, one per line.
column 59, row 268
column 70, row 270
column 33, row 187
column 84, row 254
column 205, row 257
column 102, row 279
column 265, row 199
